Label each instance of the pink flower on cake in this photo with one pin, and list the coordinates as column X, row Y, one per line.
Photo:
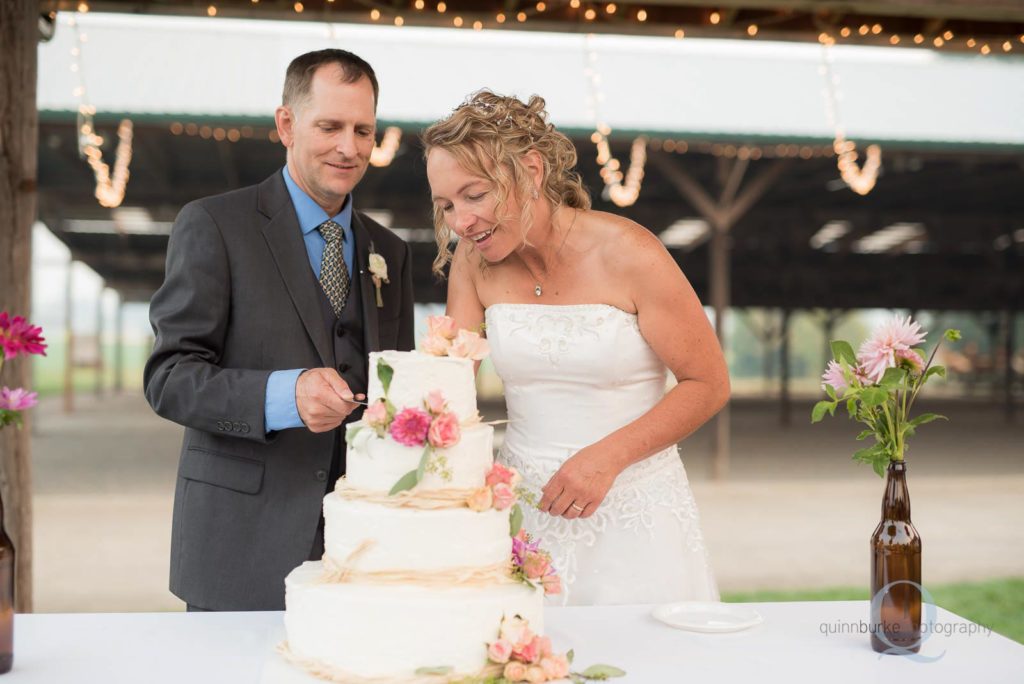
column 469, row 345
column 376, row 415
column 535, row 674
column 499, row 474
column 17, row 399
column 555, row 666
column 444, row 431
column 504, row 496
column 410, row 427
column 18, row 336
column 878, row 353
column 435, row 402
column 500, row 651
column 536, row 564
column 441, row 326
column 481, row 499
column 528, row 651
column 515, row 671
column 435, row 345
column 552, row 584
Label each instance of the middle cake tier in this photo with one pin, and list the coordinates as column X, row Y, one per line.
column 403, row 539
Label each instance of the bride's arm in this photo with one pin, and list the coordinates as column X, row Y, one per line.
column 673, row 323
column 463, row 302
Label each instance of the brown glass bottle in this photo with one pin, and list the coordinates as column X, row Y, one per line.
column 6, row 597
column 896, row 571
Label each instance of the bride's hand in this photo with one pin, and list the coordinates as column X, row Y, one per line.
column 580, row 485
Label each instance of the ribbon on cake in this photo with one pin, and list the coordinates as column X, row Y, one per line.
column 420, row 499
column 330, row 673
column 476, row 576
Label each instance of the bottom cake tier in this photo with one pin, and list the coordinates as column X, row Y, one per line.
column 391, row 630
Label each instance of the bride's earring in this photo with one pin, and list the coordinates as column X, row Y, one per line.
column 535, row 193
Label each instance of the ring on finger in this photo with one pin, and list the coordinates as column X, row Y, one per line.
column 577, row 507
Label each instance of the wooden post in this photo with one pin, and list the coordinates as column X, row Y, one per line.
column 1009, row 322
column 19, row 138
column 100, row 365
column 69, row 340
column 119, row 345
column 784, row 402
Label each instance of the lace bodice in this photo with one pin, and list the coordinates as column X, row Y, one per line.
column 572, row 375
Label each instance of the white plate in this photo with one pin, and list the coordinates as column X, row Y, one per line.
column 704, row 616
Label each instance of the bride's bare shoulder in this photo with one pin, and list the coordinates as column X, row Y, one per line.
column 624, row 244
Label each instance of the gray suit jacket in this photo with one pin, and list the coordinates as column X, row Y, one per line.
column 240, row 300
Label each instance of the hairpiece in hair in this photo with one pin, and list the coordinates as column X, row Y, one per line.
column 487, row 107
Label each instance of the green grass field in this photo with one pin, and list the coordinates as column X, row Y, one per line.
column 998, row 604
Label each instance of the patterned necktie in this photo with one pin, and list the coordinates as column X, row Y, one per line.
column 334, row 278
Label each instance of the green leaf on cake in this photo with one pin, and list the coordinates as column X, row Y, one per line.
column 385, row 373
column 602, row 672
column 424, row 460
column 351, row 431
column 515, row 520
column 408, row 481
column 570, row 655
column 442, row 670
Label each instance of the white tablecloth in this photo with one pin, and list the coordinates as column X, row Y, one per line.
column 797, row 642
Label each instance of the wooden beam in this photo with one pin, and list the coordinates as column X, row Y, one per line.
column 19, row 142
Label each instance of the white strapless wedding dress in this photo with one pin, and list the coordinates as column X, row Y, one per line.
column 574, row 374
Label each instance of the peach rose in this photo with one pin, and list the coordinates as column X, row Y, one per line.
column 469, row 345
column 500, row 651
column 536, row 565
column 444, row 431
column 552, row 584
column 377, row 415
column 441, row 326
column 535, row 674
column 481, row 500
column 504, row 496
column 435, row 402
column 555, row 666
column 515, row 671
column 435, row 345
column 544, row 643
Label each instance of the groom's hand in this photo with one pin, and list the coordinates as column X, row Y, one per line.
column 323, row 399
column 580, row 485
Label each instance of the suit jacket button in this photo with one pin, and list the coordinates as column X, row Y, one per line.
column 340, row 331
column 344, row 367
column 321, row 475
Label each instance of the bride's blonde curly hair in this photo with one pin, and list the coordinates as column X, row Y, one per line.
column 488, row 135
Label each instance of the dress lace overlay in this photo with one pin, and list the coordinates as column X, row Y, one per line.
column 572, row 375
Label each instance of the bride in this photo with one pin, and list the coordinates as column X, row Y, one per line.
column 587, row 316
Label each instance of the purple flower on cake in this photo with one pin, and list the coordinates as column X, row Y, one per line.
column 879, row 352
column 469, row 345
column 16, row 399
column 18, row 336
column 435, row 402
column 444, row 431
column 531, row 563
column 410, row 427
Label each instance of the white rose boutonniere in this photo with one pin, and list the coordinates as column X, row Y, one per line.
column 379, row 272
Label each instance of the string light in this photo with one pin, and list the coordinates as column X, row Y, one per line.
column 521, row 17
column 876, row 29
column 458, row 22
column 83, row 7
column 541, row 6
column 1007, row 46
column 420, row 4
column 641, row 15
column 374, row 14
column 610, row 8
column 971, row 42
column 918, row 39
column 211, row 11
column 478, row 25
column 589, row 15
column 500, row 18
column 575, row 4
column 948, row 35
column 752, row 30
column 384, row 154
column 860, row 180
column 715, row 18
column 442, row 8
column 938, row 42
column 298, row 7
column 845, row 32
column 399, row 21
column 985, row 49
column 680, row 33
column 894, row 39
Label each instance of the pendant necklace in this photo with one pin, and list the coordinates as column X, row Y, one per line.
column 538, row 288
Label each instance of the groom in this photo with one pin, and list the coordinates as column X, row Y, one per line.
column 269, row 307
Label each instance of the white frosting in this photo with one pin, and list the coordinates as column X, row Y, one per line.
column 410, row 539
column 376, row 464
column 418, row 374
column 378, row 630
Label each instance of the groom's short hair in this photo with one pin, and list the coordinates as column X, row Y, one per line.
column 299, row 77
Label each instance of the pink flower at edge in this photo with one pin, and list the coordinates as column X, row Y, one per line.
column 504, row 496
column 536, row 565
column 834, row 376
column 500, row 651
column 435, row 345
column 376, row 415
column 410, row 427
column 19, row 336
column 469, row 345
column 435, row 402
column 441, row 326
column 527, row 651
column 878, row 353
column 552, row 584
column 444, row 431
column 17, row 399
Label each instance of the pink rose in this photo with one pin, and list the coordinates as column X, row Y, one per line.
column 514, row 629
column 441, row 326
column 535, row 674
column 410, row 427
column 536, row 565
column 515, row 672
column 499, row 474
column 435, row 402
column 544, row 644
column 444, row 431
column 17, row 399
column 500, row 651
column 552, row 584
column 469, row 345
column 504, row 496
column 528, row 652
column 377, row 415
column 435, row 345
column 555, row 666
column 481, row 499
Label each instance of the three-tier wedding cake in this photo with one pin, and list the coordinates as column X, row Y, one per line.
column 425, row 575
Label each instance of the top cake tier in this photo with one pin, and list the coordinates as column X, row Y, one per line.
column 416, row 375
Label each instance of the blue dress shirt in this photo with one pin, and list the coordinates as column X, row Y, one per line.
column 280, row 410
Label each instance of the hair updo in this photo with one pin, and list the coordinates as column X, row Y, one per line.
column 488, row 135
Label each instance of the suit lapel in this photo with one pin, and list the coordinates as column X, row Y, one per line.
column 284, row 237
column 371, row 327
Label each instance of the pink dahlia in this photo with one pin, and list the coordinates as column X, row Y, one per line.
column 878, row 353
column 17, row 399
column 410, row 427
column 19, row 336
column 834, row 376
